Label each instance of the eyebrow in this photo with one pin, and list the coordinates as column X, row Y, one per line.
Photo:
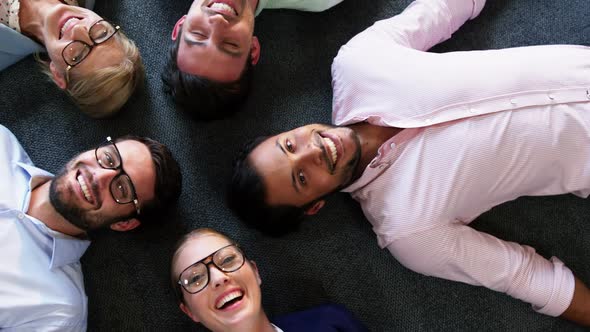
column 191, row 42
column 293, row 181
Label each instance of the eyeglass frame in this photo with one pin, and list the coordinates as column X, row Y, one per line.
column 211, row 261
column 122, row 172
column 69, row 67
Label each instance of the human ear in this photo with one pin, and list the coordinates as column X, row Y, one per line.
column 315, row 208
column 255, row 51
column 57, row 76
column 126, row 225
column 255, row 269
column 177, row 27
column 188, row 312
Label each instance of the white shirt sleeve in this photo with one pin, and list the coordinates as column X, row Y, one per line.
column 460, row 253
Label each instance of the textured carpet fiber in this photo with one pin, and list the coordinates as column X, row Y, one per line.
column 334, row 257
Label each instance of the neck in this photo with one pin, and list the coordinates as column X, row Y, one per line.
column 262, row 324
column 371, row 137
column 40, row 207
column 32, row 17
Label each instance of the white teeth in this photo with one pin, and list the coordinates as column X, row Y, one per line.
column 228, row 298
column 222, row 7
column 332, row 147
column 67, row 24
column 84, row 187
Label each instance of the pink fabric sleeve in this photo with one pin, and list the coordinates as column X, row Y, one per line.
column 425, row 23
column 460, row 253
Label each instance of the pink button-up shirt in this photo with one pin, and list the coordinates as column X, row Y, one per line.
column 483, row 128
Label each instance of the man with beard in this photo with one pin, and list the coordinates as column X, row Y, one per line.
column 209, row 68
column 426, row 154
column 44, row 220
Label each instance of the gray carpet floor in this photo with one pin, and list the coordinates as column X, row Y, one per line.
column 334, row 257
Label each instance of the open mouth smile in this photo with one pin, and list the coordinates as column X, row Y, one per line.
column 85, row 188
column 67, row 25
column 330, row 148
column 229, row 300
column 223, row 7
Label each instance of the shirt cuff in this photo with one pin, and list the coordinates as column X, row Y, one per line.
column 458, row 6
column 562, row 292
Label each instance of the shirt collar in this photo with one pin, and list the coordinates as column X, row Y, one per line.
column 66, row 249
column 36, row 177
column 386, row 154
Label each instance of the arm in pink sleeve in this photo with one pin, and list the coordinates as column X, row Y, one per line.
column 425, row 23
column 460, row 253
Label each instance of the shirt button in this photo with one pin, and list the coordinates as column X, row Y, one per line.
column 588, row 94
column 472, row 110
column 550, row 96
column 513, row 102
column 392, row 146
column 428, row 121
column 21, row 216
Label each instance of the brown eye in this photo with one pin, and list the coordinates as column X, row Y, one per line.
column 301, row 178
column 289, row 145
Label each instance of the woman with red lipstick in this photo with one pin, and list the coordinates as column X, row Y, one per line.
column 88, row 57
column 219, row 287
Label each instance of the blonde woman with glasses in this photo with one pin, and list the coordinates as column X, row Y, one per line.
column 218, row 286
column 88, row 57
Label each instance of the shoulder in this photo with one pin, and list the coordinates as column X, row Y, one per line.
column 326, row 317
column 10, row 147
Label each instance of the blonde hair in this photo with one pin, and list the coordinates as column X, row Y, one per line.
column 178, row 248
column 106, row 90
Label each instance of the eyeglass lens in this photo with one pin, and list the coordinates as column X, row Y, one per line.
column 196, row 276
column 121, row 186
column 77, row 50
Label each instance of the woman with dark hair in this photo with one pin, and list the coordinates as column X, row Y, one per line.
column 219, row 287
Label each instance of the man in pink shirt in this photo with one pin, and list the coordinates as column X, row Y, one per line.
column 425, row 155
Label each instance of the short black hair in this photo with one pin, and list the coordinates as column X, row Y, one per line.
column 205, row 99
column 168, row 182
column 246, row 196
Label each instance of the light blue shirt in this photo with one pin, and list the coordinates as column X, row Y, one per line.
column 41, row 282
column 15, row 46
column 305, row 5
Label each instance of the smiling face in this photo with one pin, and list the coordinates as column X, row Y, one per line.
column 230, row 301
column 217, row 39
column 302, row 165
column 81, row 191
column 62, row 25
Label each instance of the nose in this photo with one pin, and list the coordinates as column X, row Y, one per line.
column 217, row 277
column 102, row 177
column 309, row 154
column 218, row 20
column 80, row 32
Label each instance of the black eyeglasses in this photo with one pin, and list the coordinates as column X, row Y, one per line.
column 196, row 277
column 122, row 189
column 76, row 51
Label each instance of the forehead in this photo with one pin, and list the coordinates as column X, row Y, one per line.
column 207, row 60
column 267, row 158
column 197, row 248
column 107, row 54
